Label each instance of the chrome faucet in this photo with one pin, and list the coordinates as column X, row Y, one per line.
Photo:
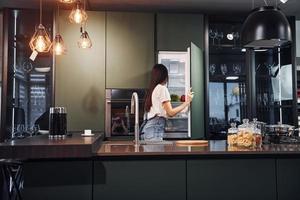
column 135, row 110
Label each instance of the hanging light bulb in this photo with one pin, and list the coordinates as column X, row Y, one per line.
column 40, row 40
column 58, row 43
column 84, row 41
column 67, row 1
column 78, row 14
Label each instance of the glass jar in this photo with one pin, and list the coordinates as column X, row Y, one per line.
column 257, row 133
column 245, row 135
column 232, row 135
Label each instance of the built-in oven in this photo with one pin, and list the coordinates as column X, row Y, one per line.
column 118, row 119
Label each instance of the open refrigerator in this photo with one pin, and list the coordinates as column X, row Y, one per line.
column 178, row 64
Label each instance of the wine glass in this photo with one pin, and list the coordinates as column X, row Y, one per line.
column 224, row 69
column 213, row 35
column 212, row 69
column 219, row 36
column 236, row 69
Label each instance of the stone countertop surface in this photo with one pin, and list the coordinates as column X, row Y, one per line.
column 213, row 148
column 41, row 147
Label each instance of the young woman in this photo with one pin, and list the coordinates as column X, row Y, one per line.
column 158, row 106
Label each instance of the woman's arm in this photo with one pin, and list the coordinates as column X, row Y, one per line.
column 173, row 111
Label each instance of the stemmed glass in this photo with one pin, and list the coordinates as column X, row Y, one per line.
column 219, row 36
column 34, row 129
column 236, row 36
column 236, row 69
column 212, row 69
column 224, row 69
column 213, row 35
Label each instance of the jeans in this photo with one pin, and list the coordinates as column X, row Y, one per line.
column 154, row 129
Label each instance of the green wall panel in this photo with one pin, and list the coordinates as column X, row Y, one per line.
column 57, row 180
column 80, row 74
column 147, row 180
column 130, row 49
column 177, row 31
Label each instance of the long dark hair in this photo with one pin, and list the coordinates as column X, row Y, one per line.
column 159, row 75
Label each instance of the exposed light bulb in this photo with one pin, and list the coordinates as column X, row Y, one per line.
column 40, row 41
column 40, row 44
column 78, row 14
column 67, row 1
column 84, row 41
column 58, row 45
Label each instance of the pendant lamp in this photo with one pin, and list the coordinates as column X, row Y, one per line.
column 78, row 14
column 58, row 43
column 40, row 40
column 266, row 27
column 84, row 41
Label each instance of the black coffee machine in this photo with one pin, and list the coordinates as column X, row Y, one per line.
column 57, row 122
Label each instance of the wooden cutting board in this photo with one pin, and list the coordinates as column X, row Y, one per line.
column 192, row 142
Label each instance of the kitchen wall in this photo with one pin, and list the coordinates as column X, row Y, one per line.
column 123, row 53
column 80, row 74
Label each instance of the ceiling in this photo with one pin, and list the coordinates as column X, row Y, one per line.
column 292, row 7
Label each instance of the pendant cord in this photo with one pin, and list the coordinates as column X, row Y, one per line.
column 57, row 18
column 266, row 2
column 253, row 4
column 41, row 11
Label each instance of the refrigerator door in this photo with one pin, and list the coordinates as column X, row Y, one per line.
column 178, row 64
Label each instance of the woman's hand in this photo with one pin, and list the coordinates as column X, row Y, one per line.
column 189, row 96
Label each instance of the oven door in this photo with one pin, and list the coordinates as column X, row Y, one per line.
column 119, row 120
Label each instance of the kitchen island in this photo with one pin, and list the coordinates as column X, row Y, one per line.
column 121, row 170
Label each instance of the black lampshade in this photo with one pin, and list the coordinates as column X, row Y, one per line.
column 266, row 27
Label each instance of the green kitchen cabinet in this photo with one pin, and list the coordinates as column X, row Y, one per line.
column 231, row 179
column 175, row 32
column 80, row 74
column 288, row 179
column 129, row 49
column 140, row 179
column 59, row 180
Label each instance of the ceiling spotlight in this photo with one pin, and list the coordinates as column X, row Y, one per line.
column 283, row 1
column 232, row 78
column 230, row 36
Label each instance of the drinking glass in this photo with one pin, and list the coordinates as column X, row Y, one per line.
column 219, row 37
column 236, row 69
column 212, row 69
column 224, row 69
column 213, row 35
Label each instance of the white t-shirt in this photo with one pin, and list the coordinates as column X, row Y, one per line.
column 160, row 94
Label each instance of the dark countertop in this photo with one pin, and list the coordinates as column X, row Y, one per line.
column 41, row 146
column 214, row 148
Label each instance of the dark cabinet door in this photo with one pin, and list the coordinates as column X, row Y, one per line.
column 231, row 179
column 288, row 179
column 59, row 180
column 147, row 180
